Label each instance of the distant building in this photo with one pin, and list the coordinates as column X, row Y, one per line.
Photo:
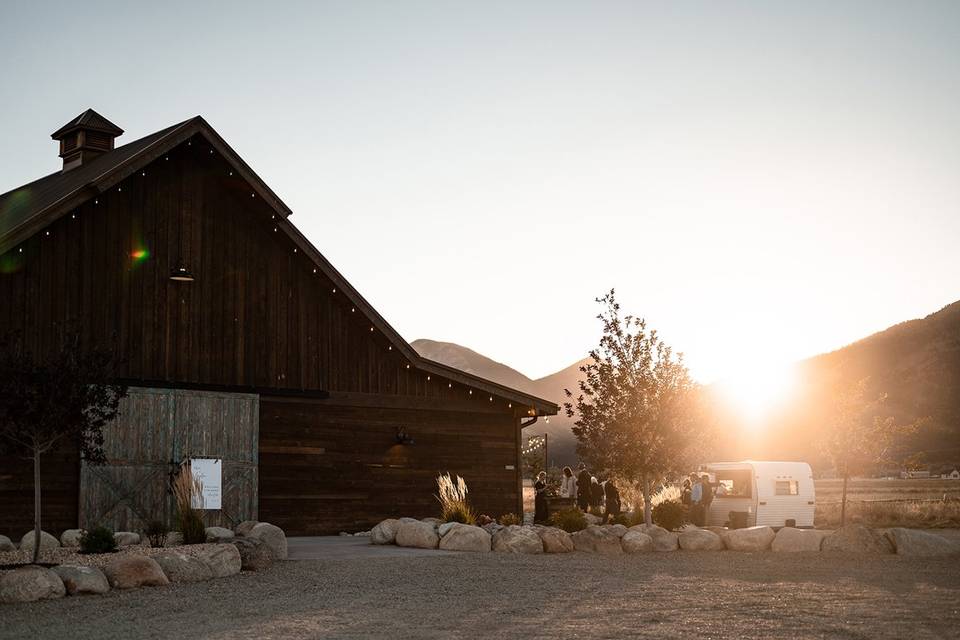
column 914, row 475
column 952, row 475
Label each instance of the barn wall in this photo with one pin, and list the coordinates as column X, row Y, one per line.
column 59, row 471
column 334, row 465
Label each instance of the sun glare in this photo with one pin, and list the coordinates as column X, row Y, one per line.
column 755, row 391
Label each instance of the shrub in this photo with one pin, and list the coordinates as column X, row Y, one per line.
column 484, row 519
column 452, row 495
column 670, row 515
column 189, row 520
column 508, row 519
column 621, row 518
column 156, row 533
column 192, row 527
column 98, row 540
column 570, row 520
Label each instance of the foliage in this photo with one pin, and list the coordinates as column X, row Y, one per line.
column 452, row 495
column 670, row 515
column 621, row 518
column 508, row 519
column 68, row 394
column 189, row 520
column 570, row 520
column 667, row 493
column 98, row 540
column 637, row 406
column 156, row 532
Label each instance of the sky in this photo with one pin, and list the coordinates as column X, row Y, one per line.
column 762, row 181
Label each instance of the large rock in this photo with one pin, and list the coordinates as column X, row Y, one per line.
column 421, row 535
column 254, row 555
column 856, row 539
column 223, row 559
column 132, row 571
column 663, row 540
column 911, row 542
column 792, row 540
column 179, row 567
column 6, row 544
column 634, row 541
column 272, row 536
column 47, row 541
column 596, row 539
column 126, row 538
column 517, row 539
column 29, row 584
column 71, row 538
column 434, row 521
column 492, row 527
column 245, row 527
column 749, row 539
column 80, row 580
column 555, row 540
column 385, row 532
column 592, row 519
column 218, row 534
column 699, row 540
column 618, row 530
column 464, row 537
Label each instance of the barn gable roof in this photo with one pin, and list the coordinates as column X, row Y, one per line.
column 26, row 210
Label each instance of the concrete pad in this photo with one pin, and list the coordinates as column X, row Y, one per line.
column 351, row 548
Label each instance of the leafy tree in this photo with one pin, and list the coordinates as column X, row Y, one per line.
column 859, row 437
column 69, row 395
column 637, row 407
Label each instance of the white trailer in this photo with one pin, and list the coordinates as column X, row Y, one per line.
column 776, row 494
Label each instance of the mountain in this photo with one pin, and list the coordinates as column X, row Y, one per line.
column 915, row 363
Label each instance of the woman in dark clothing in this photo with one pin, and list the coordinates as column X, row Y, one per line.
column 612, row 500
column 540, row 498
column 583, row 488
column 596, row 496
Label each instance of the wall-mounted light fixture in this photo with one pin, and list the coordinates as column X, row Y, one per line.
column 402, row 437
column 181, row 274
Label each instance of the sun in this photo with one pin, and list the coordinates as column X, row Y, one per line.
column 755, row 391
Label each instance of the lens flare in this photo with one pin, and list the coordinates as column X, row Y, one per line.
column 140, row 255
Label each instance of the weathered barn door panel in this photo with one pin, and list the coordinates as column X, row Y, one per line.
column 155, row 431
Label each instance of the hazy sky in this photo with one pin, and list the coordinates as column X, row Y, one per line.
column 762, row 181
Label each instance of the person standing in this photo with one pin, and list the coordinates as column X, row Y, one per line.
column 568, row 484
column 696, row 497
column 583, row 488
column 612, row 499
column 540, row 498
column 707, row 498
column 596, row 496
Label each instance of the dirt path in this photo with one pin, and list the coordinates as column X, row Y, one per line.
column 708, row 595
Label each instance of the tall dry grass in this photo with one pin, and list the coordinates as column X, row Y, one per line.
column 452, row 495
column 916, row 513
column 188, row 490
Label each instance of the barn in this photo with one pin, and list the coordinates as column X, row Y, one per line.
column 240, row 343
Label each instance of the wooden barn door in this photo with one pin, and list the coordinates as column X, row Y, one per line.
column 155, row 431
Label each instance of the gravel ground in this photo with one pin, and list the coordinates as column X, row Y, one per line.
column 705, row 595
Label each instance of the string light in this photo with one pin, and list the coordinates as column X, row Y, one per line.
column 353, row 309
column 334, row 290
column 408, row 366
column 390, row 348
column 491, row 398
column 46, row 233
column 471, row 391
column 428, row 378
column 314, row 269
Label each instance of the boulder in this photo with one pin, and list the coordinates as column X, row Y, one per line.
column 555, row 540
column 617, row 529
column 444, row 528
column 47, row 541
column 272, row 536
column 362, row 534
column 179, row 567
column 385, row 532
column 6, row 544
column 663, row 540
column 492, row 527
column 245, row 527
column 749, row 539
column 132, row 571
column 465, row 537
column 29, row 584
column 126, row 538
column 856, row 539
column 254, row 555
column 218, row 534
column 699, row 540
column 421, row 535
column 174, row 539
column 912, row 542
column 596, row 539
column 71, row 538
column 223, row 559
column 634, row 541
column 434, row 521
column 517, row 539
column 592, row 519
column 81, row 580
column 792, row 540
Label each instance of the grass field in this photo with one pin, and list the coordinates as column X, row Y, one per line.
column 878, row 489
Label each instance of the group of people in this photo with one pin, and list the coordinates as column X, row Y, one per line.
column 588, row 493
column 697, row 494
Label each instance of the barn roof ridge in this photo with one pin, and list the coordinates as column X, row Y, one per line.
column 27, row 209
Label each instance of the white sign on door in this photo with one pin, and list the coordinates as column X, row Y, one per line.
column 207, row 472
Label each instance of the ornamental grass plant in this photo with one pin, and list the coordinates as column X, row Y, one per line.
column 452, row 495
column 188, row 491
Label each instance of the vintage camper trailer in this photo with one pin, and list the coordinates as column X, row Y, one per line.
column 756, row 492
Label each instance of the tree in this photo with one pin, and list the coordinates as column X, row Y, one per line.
column 637, row 407
column 859, row 438
column 69, row 395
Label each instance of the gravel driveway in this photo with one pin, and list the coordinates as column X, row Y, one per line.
column 707, row 595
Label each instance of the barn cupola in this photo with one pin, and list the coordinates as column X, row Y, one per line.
column 84, row 138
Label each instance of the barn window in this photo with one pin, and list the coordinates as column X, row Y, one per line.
column 787, row 488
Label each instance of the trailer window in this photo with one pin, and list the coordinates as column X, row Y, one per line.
column 734, row 484
column 787, row 488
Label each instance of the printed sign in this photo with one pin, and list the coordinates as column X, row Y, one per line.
column 207, row 472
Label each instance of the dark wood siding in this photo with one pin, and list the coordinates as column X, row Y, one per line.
column 334, row 465
column 59, row 472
